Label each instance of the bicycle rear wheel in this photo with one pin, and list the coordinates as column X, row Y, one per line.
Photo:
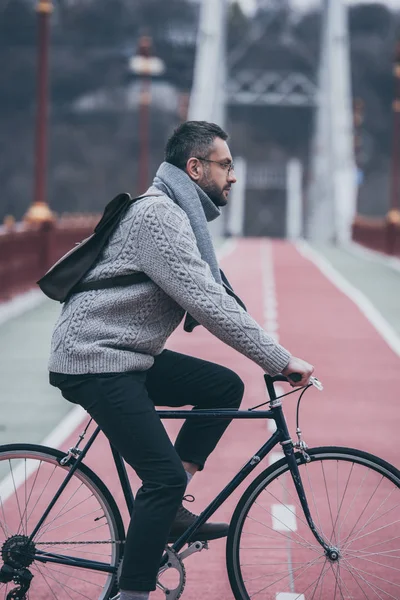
column 83, row 524
column 354, row 501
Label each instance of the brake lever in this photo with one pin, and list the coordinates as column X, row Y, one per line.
column 316, row 383
column 296, row 377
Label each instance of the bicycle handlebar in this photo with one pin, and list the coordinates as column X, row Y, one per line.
column 295, row 377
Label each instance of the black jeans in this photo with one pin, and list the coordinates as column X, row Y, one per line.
column 123, row 406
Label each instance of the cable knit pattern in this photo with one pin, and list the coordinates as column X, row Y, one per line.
column 122, row 329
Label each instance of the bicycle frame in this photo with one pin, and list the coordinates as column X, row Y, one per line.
column 281, row 435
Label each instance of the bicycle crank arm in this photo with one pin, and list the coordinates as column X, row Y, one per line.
column 192, row 548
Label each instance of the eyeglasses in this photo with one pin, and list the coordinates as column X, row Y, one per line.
column 227, row 166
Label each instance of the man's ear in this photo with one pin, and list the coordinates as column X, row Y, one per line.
column 193, row 169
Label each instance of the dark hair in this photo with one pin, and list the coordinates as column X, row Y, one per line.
column 192, row 138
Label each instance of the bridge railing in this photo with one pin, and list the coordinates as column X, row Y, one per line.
column 26, row 252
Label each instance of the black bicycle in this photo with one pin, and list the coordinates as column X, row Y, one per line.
column 320, row 523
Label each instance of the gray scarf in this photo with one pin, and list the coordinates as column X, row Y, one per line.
column 197, row 205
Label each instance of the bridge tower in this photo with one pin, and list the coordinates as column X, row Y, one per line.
column 207, row 98
column 331, row 201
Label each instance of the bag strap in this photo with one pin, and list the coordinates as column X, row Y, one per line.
column 102, row 284
column 120, row 280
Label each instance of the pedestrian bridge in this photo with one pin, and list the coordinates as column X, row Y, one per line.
column 337, row 308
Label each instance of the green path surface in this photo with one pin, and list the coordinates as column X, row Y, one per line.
column 378, row 282
column 31, row 408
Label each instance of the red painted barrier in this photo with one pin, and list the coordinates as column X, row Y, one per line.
column 378, row 234
column 26, row 252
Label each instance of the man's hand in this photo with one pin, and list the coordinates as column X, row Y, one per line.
column 296, row 365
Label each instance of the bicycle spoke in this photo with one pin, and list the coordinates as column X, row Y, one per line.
column 339, row 581
column 362, row 572
column 82, row 522
column 337, row 521
column 376, row 563
column 281, row 522
column 376, row 530
column 78, row 518
column 329, row 501
column 305, row 544
column 278, row 501
column 313, row 495
column 355, row 497
column 351, row 500
column 44, row 489
column 282, row 578
column 357, row 553
column 45, row 579
column 363, row 511
column 370, row 585
column 321, row 577
column 48, row 523
column 380, row 543
column 66, row 587
column 76, row 577
column 3, row 523
column 15, row 494
column 369, row 522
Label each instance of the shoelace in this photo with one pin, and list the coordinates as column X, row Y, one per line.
column 189, row 498
column 182, row 509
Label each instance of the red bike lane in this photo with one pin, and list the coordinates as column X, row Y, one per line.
column 357, row 408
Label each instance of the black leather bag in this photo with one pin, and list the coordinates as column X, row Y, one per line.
column 64, row 277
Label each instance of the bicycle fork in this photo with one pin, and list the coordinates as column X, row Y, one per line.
column 331, row 552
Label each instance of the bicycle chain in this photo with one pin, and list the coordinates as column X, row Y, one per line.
column 77, row 543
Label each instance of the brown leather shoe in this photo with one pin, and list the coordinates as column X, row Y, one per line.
column 184, row 518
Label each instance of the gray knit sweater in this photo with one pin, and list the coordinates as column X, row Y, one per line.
column 122, row 329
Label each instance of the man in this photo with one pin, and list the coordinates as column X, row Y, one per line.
column 108, row 345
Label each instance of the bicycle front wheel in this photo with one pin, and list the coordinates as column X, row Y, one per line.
column 84, row 524
column 354, row 501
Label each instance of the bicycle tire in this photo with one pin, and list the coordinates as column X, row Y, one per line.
column 84, row 523
column 284, row 560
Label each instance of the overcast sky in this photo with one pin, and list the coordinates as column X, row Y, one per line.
column 249, row 5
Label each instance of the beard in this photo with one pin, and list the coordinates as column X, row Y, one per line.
column 214, row 192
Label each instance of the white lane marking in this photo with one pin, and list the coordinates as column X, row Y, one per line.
column 57, row 437
column 270, row 304
column 359, row 299
column 289, row 596
column 284, row 517
column 270, row 301
column 20, row 304
column 273, row 457
column 65, row 428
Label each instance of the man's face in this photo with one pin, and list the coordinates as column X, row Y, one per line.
column 215, row 177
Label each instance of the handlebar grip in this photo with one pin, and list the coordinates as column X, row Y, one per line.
column 295, row 377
